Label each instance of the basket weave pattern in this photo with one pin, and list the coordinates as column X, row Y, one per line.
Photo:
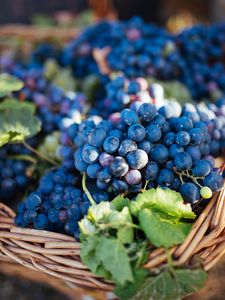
column 58, row 255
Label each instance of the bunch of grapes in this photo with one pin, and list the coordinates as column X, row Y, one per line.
column 56, row 107
column 213, row 118
column 57, row 204
column 79, row 53
column 202, row 59
column 14, row 175
column 143, row 148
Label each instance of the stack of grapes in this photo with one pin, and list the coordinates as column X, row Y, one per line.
column 144, row 148
column 14, row 175
column 58, row 203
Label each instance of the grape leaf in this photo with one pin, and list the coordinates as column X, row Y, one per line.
column 88, row 253
column 171, row 285
column 17, row 122
column 9, row 84
column 130, row 289
column 161, row 229
column 165, row 200
column 122, row 220
column 114, row 258
column 100, row 212
column 120, row 202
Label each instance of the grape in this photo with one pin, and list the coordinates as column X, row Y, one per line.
column 151, row 171
column 165, row 177
column 133, row 177
column 33, row 202
column 160, row 154
column 137, row 159
column 197, row 136
column 183, row 124
column 119, row 167
column 183, row 138
column 90, row 154
column 201, row 168
column 129, row 116
column 153, row 133
column 127, row 146
column 116, row 133
column 105, row 159
column 41, row 222
column 206, row 192
column 194, row 151
column 96, row 137
column 145, row 145
column 93, row 169
column 169, row 139
column 190, row 192
column 111, row 144
column 136, row 132
column 119, row 186
column 214, row 181
column 183, row 161
column 147, row 112
column 104, row 175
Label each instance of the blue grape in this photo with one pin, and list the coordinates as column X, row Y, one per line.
column 153, row 133
column 201, row 168
column 111, row 144
column 127, row 146
column 147, row 112
column 214, row 181
column 190, row 192
column 136, row 132
column 160, row 154
column 183, row 161
column 137, row 159
column 183, row 138
column 119, row 167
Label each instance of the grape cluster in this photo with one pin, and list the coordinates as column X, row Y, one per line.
column 58, row 203
column 143, row 147
column 51, row 89
column 14, row 178
column 194, row 56
column 202, row 59
column 122, row 92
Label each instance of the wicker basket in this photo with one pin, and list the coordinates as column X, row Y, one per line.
column 58, row 255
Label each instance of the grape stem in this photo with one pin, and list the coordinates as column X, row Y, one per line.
column 183, row 173
column 39, row 154
column 86, row 191
column 146, row 183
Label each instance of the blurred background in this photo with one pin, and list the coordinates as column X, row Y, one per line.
column 26, row 21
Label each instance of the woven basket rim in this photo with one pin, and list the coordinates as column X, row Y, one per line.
column 58, row 255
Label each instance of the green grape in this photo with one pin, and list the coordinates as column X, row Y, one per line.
column 206, row 192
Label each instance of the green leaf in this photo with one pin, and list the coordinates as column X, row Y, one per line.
column 120, row 202
column 9, row 84
column 161, row 229
column 130, row 289
column 113, row 255
column 17, row 122
column 125, row 233
column 86, row 227
column 88, row 253
column 164, row 200
column 100, row 212
column 171, row 285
